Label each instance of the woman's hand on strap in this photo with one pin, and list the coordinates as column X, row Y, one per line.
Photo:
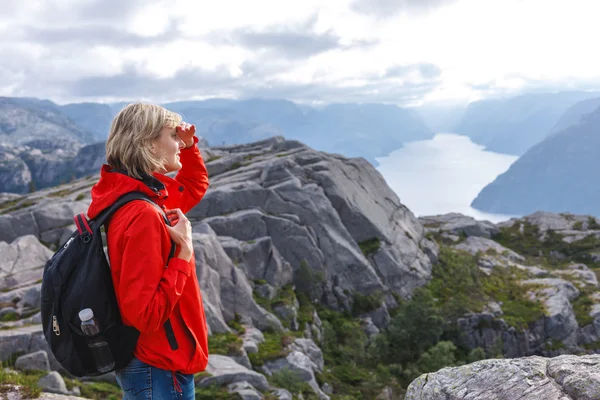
column 181, row 233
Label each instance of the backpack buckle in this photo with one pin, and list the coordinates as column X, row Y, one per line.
column 55, row 326
column 84, row 228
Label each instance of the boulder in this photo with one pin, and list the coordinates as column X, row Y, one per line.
column 22, row 261
column 37, row 361
column 54, row 383
column 532, row 378
column 245, row 391
column 225, row 371
column 298, row 363
column 460, row 224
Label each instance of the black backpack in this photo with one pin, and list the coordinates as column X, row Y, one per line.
column 78, row 276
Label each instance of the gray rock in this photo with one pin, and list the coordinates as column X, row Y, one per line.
column 245, row 390
column 460, row 224
column 369, row 327
column 22, row 261
column 282, row 394
column 53, row 383
column 251, row 339
column 560, row 322
column 476, row 245
column 581, row 273
column 225, row 371
column 531, row 378
column 310, row 349
column 316, row 209
column 37, row 361
column 301, row 366
column 226, row 290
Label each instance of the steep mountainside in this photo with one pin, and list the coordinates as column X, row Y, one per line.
column 514, row 125
column 558, row 174
column 574, row 114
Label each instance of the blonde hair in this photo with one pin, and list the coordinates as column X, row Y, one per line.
column 132, row 133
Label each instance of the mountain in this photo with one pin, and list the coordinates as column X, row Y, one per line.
column 93, row 117
column 39, row 123
column 354, row 130
column 574, row 113
column 559, row 174
column 514, row 125
column 60, row 132
column 441, row 118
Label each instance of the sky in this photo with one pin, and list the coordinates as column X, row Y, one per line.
column 404, row 52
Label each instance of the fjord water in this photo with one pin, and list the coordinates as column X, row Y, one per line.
column 443, row 175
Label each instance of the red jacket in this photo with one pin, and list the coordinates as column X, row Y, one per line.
column 138, row 248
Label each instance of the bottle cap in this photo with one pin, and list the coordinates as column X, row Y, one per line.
column 86, row 314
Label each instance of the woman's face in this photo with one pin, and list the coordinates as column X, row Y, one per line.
column 167, row 148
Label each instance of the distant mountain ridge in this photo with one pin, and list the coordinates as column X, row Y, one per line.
column 514, row 125
column 60, row 132
column 560, row 174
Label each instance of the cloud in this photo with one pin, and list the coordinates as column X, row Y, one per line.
column 425, row 70
column 93, row 35
column 390, row 8
column 198, row 83
column 290, row 42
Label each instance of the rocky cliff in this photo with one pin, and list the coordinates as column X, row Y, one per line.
column 318, row 281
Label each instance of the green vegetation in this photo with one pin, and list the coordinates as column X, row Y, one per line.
column 227, row 344
column 235, row 165
column 15, row 205
column 288, row 379
column 362, row 304
column 9, row 316
column 369, row 246
column 582, row 306
column 215, row 392
column 271, row 349
column 544, row 252
column 100, row 391
column 26, row 382
column 80, row 196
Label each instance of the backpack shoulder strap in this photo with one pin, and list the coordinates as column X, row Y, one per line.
column 104, row 216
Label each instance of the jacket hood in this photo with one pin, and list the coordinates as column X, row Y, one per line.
column 115, row 183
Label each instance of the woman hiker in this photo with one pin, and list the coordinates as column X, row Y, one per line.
column 163, row 303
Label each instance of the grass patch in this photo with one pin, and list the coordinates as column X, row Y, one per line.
column 461, row 287
column 227, row 344
column 26, row 382
column 536, row 251
column 80, row 197
column 17, row 206
column 234, row 166
column 215, row 392
column 271, row 349
column 582, row 306
column 60, row 193
column 369, row 246
column 100, row 391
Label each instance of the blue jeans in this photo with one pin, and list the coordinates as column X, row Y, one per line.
column 140, row 381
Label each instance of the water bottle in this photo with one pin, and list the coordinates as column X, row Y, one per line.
column 98, row 345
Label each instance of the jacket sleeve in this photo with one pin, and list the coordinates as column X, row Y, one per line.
column 193, row 176
column 147, row 290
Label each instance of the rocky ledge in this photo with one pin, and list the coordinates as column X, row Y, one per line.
column 531, row 378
